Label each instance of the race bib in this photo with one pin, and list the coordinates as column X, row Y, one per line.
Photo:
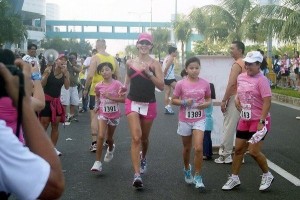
column 193, row 113
column 110, row 108
column 140, row 107
column 246, row 112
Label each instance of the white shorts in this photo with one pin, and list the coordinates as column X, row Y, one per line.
column 111, row 122
column 186, row 128
column 69, row 96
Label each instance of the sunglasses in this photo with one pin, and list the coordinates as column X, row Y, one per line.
column 249, row 64
column 144, row 42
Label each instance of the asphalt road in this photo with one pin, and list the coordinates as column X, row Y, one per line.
column 164, row 178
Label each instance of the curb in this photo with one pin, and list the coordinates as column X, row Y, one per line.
column 286, row 100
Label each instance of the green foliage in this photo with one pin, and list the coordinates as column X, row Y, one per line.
column 131, row 50
column 12, row 29
column 161, row 39
column 205, row 48
column 287, row 92
column 82, row 47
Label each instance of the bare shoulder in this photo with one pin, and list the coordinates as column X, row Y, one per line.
column 236, row 68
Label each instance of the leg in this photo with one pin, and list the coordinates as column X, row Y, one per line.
column 110, row 133
column 259, row 157
column 187, row 146
column 198, row 150
column 167, row 90
column 136, row 135
column 102, row 128
column 54, row 131
column 45, row 121
column 146, row 125
column 207, row 144
column 241, row 147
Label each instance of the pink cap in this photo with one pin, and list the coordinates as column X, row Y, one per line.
column 145, row 36
column 62, row 56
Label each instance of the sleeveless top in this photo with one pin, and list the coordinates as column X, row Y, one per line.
column 98, row 77
column 241, row 63
column 53, row 86
column 170, row 73
column 142, row 89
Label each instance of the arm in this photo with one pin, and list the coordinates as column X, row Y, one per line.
column 265, row 111
column 117, row 71
column 38, row 96
column 158, row 79
column 91, row 73
column 231, row 85
column 76, row 68
column 46, row 75
column 206, row 104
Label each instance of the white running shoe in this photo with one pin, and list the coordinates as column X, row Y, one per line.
column 57, row 152
column 109, row 154
column 231, row 183
column 97, row 167
column 266, row 181
column 223, row 159
column 298, row 117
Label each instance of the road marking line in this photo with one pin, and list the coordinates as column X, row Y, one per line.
column 284, row 173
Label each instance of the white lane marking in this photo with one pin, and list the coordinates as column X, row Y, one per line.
column 284, row 173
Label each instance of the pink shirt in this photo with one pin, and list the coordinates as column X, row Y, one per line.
column 108, row 108
column 9, row 115
column 251, row 91
column 185, row 89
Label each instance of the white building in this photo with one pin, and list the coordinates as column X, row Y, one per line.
column 52, row 11
column 34, row 15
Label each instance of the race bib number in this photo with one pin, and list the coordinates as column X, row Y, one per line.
column 246, row 111
column 140, row 107
column 193, row 113
column 110, row 108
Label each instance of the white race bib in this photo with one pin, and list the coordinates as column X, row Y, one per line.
column 110, row 108
column 192, row 113
column 246, row 112
column 140, row 107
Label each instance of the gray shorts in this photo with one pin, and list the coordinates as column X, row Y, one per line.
column 186, row 128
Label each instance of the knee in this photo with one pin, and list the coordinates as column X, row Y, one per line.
column 238, row 152
column 145, row 141
column 198, row 149
column 136, row 140
column 254, row 153
column 186, row 149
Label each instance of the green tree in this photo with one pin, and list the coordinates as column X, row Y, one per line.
column 71, row 45
column 131, row 50
column 183, row 32
column 161, row 38
column 12, row 29
column 229, row 20
column 283, row 20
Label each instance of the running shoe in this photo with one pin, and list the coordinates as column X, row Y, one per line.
column 231, row 183
column 143, row 167
column 169, row 110
column 223, row 159
column 109, row 154
column 198, row 181
column 93, row 147
column 188, row 177
column 137, row 181
column 97, row 167
column 298, row 117
column 266, row 181
column 57, row 152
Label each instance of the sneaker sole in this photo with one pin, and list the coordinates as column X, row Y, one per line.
column 96, row 170
column 231, row 188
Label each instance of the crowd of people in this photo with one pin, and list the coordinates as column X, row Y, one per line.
column 51, row 87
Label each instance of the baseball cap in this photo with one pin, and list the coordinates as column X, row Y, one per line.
column 253, row 56
column 145, row 36
column 62, row 56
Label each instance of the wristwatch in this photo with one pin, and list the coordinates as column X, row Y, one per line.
column 262, row 121
column 149, row 74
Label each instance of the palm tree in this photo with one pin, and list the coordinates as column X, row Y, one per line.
column 283, row 20
column 228, row 20
column 161, row 38
column 183, row 32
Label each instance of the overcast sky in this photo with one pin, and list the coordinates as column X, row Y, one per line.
column 124, row 10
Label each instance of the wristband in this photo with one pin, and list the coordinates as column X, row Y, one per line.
column 36, row 76
column 262, row 121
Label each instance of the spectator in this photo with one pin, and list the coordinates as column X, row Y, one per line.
column 33, row 173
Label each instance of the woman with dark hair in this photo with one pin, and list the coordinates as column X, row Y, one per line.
column 7, row 111
column 54, row 77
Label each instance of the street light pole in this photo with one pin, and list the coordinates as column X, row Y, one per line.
column 151, row 18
